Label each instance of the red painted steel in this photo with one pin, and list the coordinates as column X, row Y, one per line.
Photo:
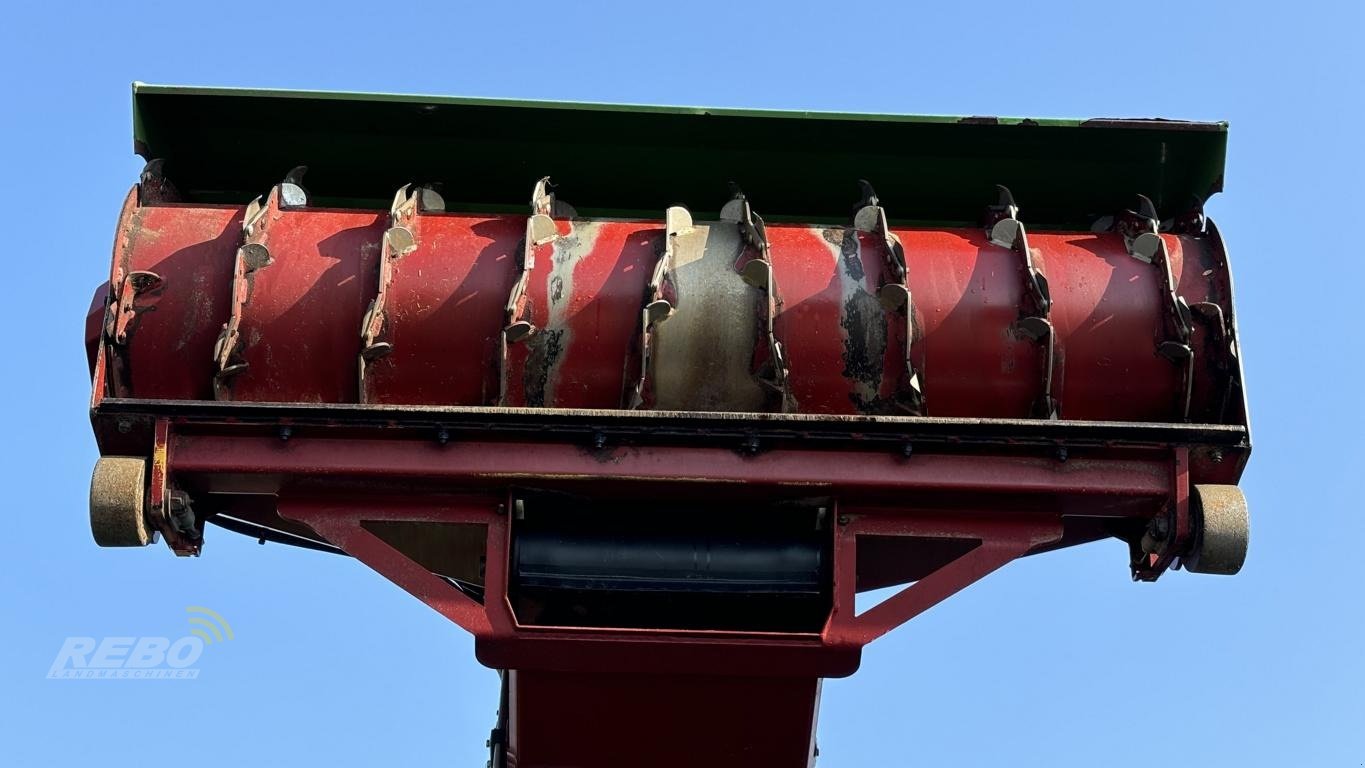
column 300, row 332
column 1081, row 488
column 1182, row 531
column 735, row 698
column 584, row 297
column 933, row 517
column 967, row 293
column 810, row 471
column 842, row 346
column 445, row 312
column 338, row 521
column 1001, row 540
column 168, row 350
column 666, row 721
column 585, row 293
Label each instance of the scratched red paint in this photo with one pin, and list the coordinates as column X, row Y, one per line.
column 586, row 290
column 169, row 351
column 445, row 312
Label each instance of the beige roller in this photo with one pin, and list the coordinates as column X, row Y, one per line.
column 1224, row 528
column 118, row 492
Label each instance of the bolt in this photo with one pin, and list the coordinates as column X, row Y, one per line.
column 751, row 445
column 843, row 519
column 1062, row 453
column 286, row 433
column 1161, row 528
column 907, row 450
column 442, row 436
column 599, row 440
column 1216, row 456
column 125, row 426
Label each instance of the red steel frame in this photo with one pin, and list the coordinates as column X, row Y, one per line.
column 668, row 697
column 625, row 696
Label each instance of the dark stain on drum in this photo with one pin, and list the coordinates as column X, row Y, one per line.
column 864, row 323
column 545, row 348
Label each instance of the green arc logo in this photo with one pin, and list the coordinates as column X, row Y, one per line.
column 208, row 625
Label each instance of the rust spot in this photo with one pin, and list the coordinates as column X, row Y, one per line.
column 545, row 349
column 850, row 256
column 863, row 321
column 864, row 324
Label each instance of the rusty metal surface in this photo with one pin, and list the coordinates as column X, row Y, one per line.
column 396, row 378
column 490, row 464
column 918, row 406
column 704, row 354
column 1218, row 452
column 165, row 349
column 845, row 351
column 302, row 312
column 444, row 314
column 583, row 298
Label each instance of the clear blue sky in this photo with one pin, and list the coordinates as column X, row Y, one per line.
column 1057, row 660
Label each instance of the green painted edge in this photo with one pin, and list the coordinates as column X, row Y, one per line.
column 589, row 106
column 1067, row 170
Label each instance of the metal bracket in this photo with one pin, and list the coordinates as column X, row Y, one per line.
column 1221, row 326
column 1004, row 229
column 125, row 286
column 1220, row 334
column 754, row 264
column 541, row 230
column 1232, row 363
column 1141, row 231
column 399, row 240
column 123, row 311
column 252, row 255
column 1168, row 535
column 169, row 510
column 121, row 315
column 660, row 297
column 894, row 292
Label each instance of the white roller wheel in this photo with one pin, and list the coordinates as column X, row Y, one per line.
column 1223, row 528
column 118, row 491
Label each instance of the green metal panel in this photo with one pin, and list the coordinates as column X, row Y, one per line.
column 229, row 145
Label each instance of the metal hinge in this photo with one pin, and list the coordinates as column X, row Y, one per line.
column 754, row 264
column 893, row 293
column 1004, row 229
